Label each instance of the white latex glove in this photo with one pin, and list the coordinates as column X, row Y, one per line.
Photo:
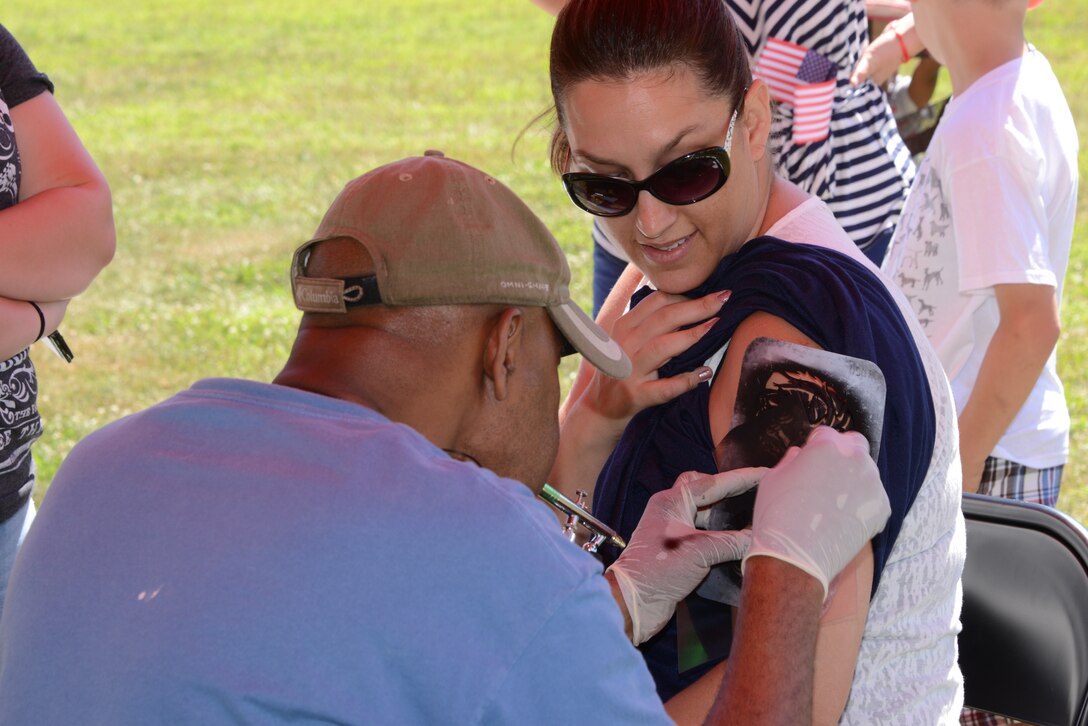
column 667, row 556
column 818, row 507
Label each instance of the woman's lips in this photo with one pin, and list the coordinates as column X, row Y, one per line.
column 666, row 254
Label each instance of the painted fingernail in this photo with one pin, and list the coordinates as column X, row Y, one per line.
column 704, row 373
column 724, row 295
column 706, row 327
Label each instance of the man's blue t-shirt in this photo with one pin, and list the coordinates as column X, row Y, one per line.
column 246, row 552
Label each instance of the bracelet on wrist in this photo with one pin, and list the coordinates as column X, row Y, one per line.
column 41, row 319
column 902, row 44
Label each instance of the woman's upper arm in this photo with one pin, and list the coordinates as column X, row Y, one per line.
column 61, row 233
column 50, row 150
column 838, row 641
column 723, row 394
column 552, row 6
column 846, row 610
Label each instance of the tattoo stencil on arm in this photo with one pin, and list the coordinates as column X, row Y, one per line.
column 785, row 391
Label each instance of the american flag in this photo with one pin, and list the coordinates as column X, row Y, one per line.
column 803, row 79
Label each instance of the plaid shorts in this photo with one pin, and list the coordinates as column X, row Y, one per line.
column 1003, row 478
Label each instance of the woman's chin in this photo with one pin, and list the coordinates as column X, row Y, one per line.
column 676, row 282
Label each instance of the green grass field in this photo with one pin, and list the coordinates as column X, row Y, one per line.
column 226, row 129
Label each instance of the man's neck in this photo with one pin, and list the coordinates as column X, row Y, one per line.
column 374, row 369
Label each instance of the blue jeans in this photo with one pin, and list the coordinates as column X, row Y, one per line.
column 12, row 534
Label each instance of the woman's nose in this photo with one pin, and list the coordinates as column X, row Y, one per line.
column 653, row 216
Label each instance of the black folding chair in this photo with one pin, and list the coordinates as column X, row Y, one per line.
column 1024, row 644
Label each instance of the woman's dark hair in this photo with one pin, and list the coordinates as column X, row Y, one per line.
column 609, row 40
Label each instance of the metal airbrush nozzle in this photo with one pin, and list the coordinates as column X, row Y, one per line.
column 578, row 515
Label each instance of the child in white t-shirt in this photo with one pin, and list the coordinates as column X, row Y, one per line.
column 983, row 244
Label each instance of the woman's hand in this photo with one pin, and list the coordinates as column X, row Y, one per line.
column 599, row 407
column 651, row 334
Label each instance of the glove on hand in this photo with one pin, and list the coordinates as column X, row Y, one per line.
column 819, row 505
column 667, row 556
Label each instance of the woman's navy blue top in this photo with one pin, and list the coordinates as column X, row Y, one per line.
column 844, row 308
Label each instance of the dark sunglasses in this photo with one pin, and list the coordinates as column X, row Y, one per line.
column 689, row 179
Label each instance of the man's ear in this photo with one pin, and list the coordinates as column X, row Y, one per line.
column 503, row 348
column 756, row 118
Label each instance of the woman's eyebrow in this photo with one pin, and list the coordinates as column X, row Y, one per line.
column 677, row 139
column 665, row 149
column 599, row 161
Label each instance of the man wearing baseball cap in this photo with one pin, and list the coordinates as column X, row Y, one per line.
column 359, row 542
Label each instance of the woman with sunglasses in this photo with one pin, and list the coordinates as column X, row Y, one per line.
column 853, row 157
column 663, row 135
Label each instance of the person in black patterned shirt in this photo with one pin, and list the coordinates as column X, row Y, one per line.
column 56, row 234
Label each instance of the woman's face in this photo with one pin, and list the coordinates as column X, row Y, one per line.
column 630, row 129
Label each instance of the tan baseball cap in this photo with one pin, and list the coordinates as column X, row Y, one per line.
column 443, row 233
